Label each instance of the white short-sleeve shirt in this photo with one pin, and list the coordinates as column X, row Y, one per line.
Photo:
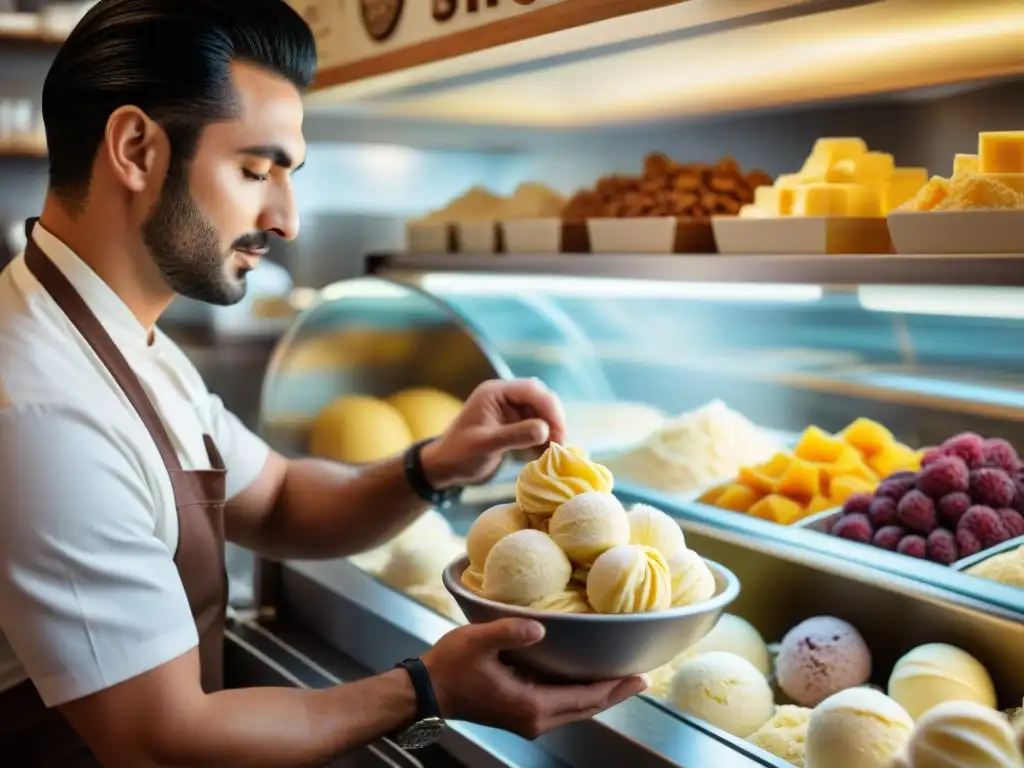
column 89, row 594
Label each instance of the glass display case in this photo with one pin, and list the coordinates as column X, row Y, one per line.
column 918, row 349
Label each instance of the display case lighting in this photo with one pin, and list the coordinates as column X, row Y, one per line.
column 1000, row 303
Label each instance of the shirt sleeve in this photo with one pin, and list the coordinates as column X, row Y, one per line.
column 89, row 595
column 244, row 453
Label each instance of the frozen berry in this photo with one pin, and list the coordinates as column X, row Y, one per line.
column 985, row 524
column 855, row 527
column 894, row 487
column 991, row 487
column 882, row 512
column 859, row 503
column 952, row 507
column 917, row 513
column 999, row 453
column 947, row 475
column 941, row 546
column 1018, row 495
column 967, row 446
column 1012, row 521
column 967, row 543
column 932, row 455
column 888, row 537
column 912, row 545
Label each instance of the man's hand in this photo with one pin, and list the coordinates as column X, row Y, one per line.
column 472, row 683
column 499, row 416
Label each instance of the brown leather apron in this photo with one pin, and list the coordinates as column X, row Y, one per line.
column 38, row 736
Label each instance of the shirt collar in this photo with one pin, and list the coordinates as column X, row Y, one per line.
column 114, row 315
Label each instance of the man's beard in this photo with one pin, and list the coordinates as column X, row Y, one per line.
column 185, row 245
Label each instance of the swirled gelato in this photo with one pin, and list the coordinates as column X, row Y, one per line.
column 935, row 673
column 568, row 601
column 558, row 475
column 630, row 579
column 963, row 734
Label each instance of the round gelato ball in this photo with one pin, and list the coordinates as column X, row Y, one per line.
column 491, row 527
column 733, row 635
column 558, row 475
column 437, row 598
column 588, row 525
column 1006, row 568
column 630, row 579
column 427, row 412
column 820, row 657
column 422, row 563
column 525, row 567
column 429, row 527
column 692, row 580
column 936, row 673
column 785, row 735
column 725, row 691
column 359, row 430
column 473, row 580
column 569, row 601
column 653, row 528
column 373, row 560
column 960, row 733
column 858, row 727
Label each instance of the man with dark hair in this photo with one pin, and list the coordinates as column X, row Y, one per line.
column 174, row 127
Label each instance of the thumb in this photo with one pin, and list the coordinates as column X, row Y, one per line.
column 508, row 634
column 527, row 433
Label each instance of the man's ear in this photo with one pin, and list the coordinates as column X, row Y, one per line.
column 137, row 148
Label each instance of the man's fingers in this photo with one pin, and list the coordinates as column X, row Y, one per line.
column 528, row 433
column 534, row 395
column 505, row 634
column 559, row 700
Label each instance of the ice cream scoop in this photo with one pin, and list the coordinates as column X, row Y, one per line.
column 725, row 691
column 473, row 580
column 692, row 580
column 588, row 525
column 732, row 635
column 525, row 567
column 489, row 528
column 963, row 734
column 420, row 563
column 653, row 528
column 629, row 579
column 558, row 475
column 1005, row 568
column 429, row 527
column 357, row 429
column 785, row 735
column 935, row 673
column 437, row 598
column 856, row 728
column 820, row 657
column 427, row 412
column 569, row 601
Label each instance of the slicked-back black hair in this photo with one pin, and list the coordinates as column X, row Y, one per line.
column 170, row 58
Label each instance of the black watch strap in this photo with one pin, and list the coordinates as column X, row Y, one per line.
column 426, row 699
column 417, row 479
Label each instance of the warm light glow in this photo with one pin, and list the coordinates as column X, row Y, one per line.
column 1003, row 303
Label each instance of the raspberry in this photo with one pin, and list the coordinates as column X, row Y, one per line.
column 895, row 486
column 917, row 513
column 912, row 545
column 1018, row 485
column 882, row 512
column 967, row 446
column 941, row 547
column 991, row 487
column 947, row 475
column 967, row 542
column 985, row 524
column 999, row 453
column 888, row 537
column 952, row 507
column 855, row 527
column 859, row 503
column 1012, row 521
column 932, row 455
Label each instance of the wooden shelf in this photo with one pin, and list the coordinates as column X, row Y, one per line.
column 23, row 152
column 11, row 31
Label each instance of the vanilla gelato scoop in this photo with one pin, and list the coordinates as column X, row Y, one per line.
column 630, row 579
column 429, row 527
column 859, row 728
column 1005, row 568
column 692, row 580
column 524, row 567
column 420, row 563
column 473, row 580
column 558, row 475
column 785, row 735
column 489, row 528
column 963, row 734
column 653, row 528
column 732, row 635
column 725, row 691
column 935, row 673
column 438, row 599
column 569, row 601
column 696, row 450
column 588, row 525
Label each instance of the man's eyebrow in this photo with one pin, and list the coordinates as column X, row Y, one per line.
column 272, row 152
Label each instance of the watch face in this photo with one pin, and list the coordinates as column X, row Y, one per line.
column 422, row 734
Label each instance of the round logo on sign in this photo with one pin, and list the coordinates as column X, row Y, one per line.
column 381, row 17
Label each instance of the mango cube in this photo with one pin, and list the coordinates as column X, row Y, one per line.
column 895, row 458
column 818, row 445
column 820, row 199
column 802, row 480
column 905, row 183
column 965, row 164
column 867, row 436
column 738, row 498
column 775, row 201
column 712, row 495
column 844, row 487
column 778, row 509
column 1001, row 152
column 819, row 504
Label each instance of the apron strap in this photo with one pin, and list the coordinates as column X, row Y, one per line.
column 78, row 312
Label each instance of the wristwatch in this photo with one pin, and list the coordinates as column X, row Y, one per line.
column 417, row 479
column 428, row 725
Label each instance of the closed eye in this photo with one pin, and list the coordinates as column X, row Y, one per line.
column 255, row 176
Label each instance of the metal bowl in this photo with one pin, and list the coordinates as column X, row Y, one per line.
column 592, row 647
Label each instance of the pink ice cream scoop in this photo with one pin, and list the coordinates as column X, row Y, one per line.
column 819, row 657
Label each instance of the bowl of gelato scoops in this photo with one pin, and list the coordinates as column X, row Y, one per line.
column 618, row 592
